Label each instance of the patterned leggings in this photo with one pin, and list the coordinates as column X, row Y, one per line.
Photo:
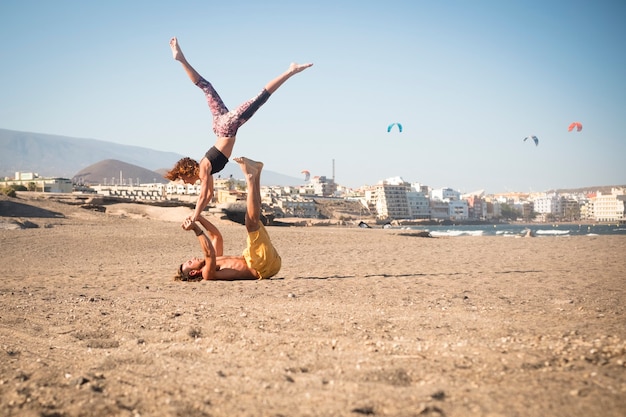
column 226, row 123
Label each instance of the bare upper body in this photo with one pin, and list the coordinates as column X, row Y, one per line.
column 215, row 266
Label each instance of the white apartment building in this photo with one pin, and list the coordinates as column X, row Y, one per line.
column 586, row 210
column 33, row 182
column 610, row 207
column 180, row 188
column 548, row 204
column 323, row 186
column 139, row 192
column 419, row 204
column 445, row 194
column 389, row 198
column 458, row 210
column 439, row 210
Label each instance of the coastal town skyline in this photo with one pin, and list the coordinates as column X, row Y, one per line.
column 119, row 170
column 68, row 157
column 119, row 178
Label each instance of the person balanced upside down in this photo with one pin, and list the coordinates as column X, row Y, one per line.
column 259, row 260
column 225, row 125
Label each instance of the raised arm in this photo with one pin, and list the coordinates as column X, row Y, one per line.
column 214, row 235
column 210, row 264
column 206, row 189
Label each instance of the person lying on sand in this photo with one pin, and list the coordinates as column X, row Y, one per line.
column 225, row 125
column 259, row 259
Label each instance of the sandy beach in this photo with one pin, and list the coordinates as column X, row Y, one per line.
column 358, row 322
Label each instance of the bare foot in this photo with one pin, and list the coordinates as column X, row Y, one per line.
column 296, row 68
column 176, row 51
column 249, row 167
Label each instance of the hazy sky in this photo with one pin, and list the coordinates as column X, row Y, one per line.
column 468, row 80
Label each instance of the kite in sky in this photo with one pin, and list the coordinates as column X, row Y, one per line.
column 307, row 174
column 394, row 124
column 534, row 138
column 575, row 125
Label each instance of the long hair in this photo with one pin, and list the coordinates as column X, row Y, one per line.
column 185, row 166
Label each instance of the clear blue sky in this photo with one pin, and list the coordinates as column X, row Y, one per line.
column 467, row 79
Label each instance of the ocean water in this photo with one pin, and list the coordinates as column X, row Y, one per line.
column 513, row 230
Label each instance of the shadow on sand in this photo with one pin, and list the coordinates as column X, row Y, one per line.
column 15, row 209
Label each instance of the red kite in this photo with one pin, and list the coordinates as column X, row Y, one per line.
column 577, row 125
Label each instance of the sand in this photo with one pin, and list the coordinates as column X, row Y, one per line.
column 358, row 321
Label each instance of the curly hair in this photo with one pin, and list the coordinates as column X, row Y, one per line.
column 185, row 166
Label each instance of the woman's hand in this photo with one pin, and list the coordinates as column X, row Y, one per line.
column 188, row 224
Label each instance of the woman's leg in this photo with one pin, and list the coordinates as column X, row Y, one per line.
column 215, row 102
column 180, row 57
column 228, row 124
column 294, row 68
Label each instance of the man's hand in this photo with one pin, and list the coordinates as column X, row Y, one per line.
column 188, row 224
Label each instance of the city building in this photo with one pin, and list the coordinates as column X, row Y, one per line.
column 445, row 194
column 493, row 209
column 610, row 207
column 419, row 204
column 298, row 207
column 477, row 207
column 458, row 210
column 33, row 182
column 439, row 210
column 323, row 186
column 389, row 199
column 548, row 206
column 570, row 209
column 154, row 191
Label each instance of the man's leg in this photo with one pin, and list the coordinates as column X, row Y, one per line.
column 252, row 171
column 260, row 254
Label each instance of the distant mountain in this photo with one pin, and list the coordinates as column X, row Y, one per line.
column 62, row 156
column 112, row 171
column 604, row 189
column 66, row 157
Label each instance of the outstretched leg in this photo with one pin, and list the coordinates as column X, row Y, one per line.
column 180, row 57
column 252, row 171
column 227, row 124
column 215, row 102
column 294, row 68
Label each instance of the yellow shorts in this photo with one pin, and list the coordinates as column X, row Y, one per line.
column 261, row 255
